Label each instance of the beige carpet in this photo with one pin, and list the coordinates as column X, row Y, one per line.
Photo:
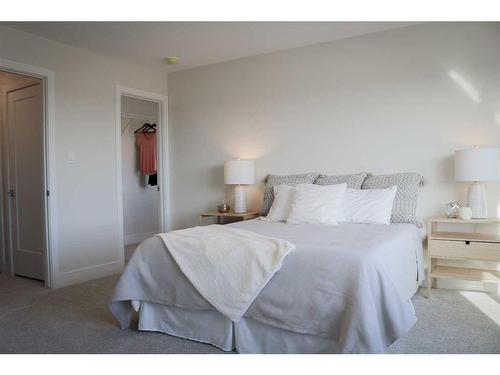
column 77, row 320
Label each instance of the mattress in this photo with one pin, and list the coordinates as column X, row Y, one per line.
column 345, row 289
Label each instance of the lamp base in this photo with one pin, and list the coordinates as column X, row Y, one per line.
column 240, row 200
column 476, row 200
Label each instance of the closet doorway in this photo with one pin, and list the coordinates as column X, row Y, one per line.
column 23, row 205
column 142, row 127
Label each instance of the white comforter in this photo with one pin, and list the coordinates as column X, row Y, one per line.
column 350, row 283
column 228, row 266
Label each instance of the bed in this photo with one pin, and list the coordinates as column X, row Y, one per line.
column 344, row 289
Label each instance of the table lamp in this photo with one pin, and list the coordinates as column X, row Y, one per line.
column 477, row 165
column 239, row 173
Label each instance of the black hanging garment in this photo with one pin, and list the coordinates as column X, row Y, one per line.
column 153, row 180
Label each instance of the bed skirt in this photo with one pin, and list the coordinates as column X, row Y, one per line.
column 207, row 326
column 246, row 336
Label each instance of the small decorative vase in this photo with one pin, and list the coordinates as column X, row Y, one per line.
column 465, row 213
column 452, row 210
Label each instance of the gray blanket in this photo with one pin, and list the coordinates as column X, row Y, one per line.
column 351, row 283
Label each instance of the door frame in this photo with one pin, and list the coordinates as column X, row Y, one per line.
column 163, row 157
column 51, row 245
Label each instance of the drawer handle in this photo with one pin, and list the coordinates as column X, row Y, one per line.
column 467, row 242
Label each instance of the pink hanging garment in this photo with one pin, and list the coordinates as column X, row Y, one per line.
column 147, row 152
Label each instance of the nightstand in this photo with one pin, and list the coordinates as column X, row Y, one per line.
column 230, row 215
column 461, row 246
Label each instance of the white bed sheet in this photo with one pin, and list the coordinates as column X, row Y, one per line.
column 348, row 286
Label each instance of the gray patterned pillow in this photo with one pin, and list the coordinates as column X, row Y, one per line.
column 405, row 203
column 291, row 179
column 353, row 181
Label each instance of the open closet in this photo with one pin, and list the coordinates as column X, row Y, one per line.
column 141, row 192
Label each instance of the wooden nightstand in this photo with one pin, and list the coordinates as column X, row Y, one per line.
column 461, row 246
column 231, row 215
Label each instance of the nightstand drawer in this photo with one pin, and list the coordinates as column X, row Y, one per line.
column 465, row 250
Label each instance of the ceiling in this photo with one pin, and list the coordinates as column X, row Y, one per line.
column 196, row 43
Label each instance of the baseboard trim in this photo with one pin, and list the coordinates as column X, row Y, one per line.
column 87, row 273
column 131, row 239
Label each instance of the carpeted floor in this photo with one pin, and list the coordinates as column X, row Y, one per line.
column 77, row 320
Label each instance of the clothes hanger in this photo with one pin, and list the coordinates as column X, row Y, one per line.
column 142, row 128
column 151, row 128
column 146, row 128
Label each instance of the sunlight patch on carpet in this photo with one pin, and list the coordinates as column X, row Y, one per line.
column 485, row 303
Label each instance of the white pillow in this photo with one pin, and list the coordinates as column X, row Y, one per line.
column 283, row 195
column 368, row 206
column 316, row 204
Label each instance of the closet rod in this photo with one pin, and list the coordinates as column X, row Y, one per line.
column 133, row 115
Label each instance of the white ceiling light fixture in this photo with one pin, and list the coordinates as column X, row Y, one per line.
column 171, row 60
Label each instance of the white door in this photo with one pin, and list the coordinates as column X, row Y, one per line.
column 26, row 182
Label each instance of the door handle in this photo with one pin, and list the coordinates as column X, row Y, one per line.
column 11, row 193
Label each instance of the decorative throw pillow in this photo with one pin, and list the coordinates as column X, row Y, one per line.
column 405, row 204
column 315, row 204
column 292, row 180
column 283, row 196
column 369, row 206
column 353, row 181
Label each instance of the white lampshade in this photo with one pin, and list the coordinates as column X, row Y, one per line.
column 477, row 164
column 239, row 172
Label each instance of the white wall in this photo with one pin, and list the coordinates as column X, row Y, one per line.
column 382, row 103
column 85, row 126
column 141, row 202
column 395, row 101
